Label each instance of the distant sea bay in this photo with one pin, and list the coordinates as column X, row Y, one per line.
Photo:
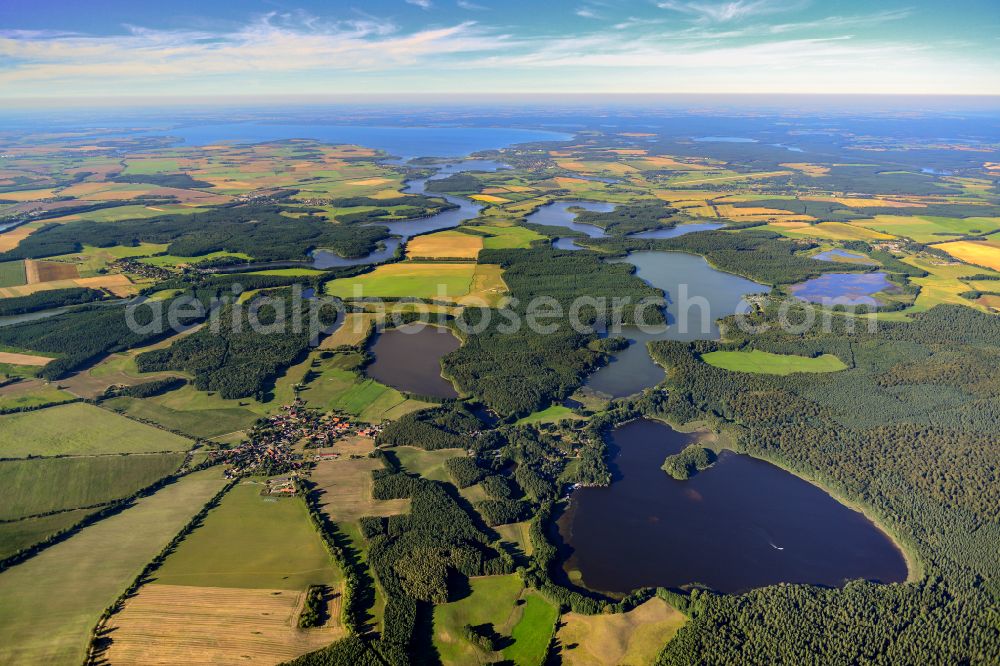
column 407, row 142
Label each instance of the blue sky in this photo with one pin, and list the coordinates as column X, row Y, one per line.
column 187, row 48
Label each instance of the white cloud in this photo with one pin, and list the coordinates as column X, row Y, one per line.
column 724, row 12
column 274, row 43
column 586, row 12
column 471, row 6
column 297, row 53
column 423, row 4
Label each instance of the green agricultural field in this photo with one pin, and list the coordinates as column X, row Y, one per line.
column 250, row 541
column 551, row 414
column 91, row 260
column 117, row 213
column 428, row 464
column 170, row 260
column 419, row 280
column 41, row 485
column 335, row 385
column 508, row 237
column 772, row 364
column 290, row 272
column 151, row 165
column 203, row 423
column 492, row 601
column 18, row 534
column 45, row 394
column 930, row 229
column 12, row 274
column 58, row 596
column 81, row 429
column 533, row 631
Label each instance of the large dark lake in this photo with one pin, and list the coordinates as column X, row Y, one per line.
column 409, row 358
column 741, row 524
column 697, row 295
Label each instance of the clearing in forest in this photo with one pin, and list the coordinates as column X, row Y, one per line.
column 766, row 363
column 635, row 637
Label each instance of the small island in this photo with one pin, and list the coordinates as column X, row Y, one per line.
column 690, row 461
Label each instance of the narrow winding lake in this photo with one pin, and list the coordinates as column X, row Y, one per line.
column 406, row 229
column 741, row 524
column 409, row 358
column 697, row 295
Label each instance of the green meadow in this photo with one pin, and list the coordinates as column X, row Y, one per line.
column 46, row 394
column 533, row 631
column 428, row 464
column 81, row 429
column 334, row 384
column 492, row 601
column 508, row 237
column 41, row 485
column 12, row 274
column 60, row 593
column 18, row 534
column 176, row 260
column 205, row 423
column 930, row 229
column 551, row 414
column 250, row 541
column 419, row 280
column 767, row 363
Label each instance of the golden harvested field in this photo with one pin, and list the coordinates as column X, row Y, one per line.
column 829, row 231
column 346, row 486
column 48, row 271
column 989, row 301
column 28, row 195
column 980, row 253
column 117, row 284
column 487, row 286
column 616, row 168
column 489, row 198
column 730, row 210
column 660, row 162
column 635, row 637
column 806, row 168
column 11, row 239
column 445, row 245
column 856, row 202
column 174, row 624
column 367, row 182
column 22, row 359
column 352, row 332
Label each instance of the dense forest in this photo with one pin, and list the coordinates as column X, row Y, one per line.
column 516, row 372
column 236, row 360
column 45, row 300
column 89, row 333
column 630, row 218
column 261, row 231
column 904, row 431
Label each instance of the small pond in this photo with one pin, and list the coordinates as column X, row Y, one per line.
column 558, row 214
column 843, row 288
column 409, row 358
column 837, row 254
